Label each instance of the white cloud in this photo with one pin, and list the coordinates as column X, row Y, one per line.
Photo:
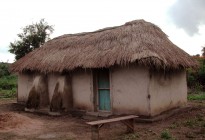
column 188, row 15
column 191, row 44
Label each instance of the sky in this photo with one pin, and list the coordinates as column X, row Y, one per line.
column 182, row 20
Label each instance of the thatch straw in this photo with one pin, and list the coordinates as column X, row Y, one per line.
column 137, row 41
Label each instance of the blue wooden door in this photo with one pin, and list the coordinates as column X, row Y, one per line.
column 104, row 89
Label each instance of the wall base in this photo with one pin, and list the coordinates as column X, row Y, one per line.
column 163, row 115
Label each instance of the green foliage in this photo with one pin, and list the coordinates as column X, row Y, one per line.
column 8, row 93
column 8, row 82
column 32, row 37
column 8, row 86
column 166, row 134
column 196, row 78
column 203, row 51
column 200, row 96
column 4, row 69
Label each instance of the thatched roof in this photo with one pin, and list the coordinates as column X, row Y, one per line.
column 137, row 41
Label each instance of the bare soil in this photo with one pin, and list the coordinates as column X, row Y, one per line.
column 16, row 124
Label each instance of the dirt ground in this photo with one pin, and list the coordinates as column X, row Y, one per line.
column 15, row 124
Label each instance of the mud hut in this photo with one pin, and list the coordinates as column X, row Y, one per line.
column 129, row 69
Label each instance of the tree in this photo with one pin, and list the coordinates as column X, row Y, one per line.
column 32, row 37
column 203, row 51
column 4, row 69
column 197, row 55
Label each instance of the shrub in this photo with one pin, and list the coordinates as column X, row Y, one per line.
column 4, row 69
column 8, row 93
column 196, row 78
column 8, row 82
column 8, row 86
column 166, row 134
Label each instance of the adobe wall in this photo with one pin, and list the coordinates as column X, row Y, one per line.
column 25, row 82
column 82, row 90
column 134, row 90
column 60, row 91
column 129, row 90
column 167, row 91
column 52, row 80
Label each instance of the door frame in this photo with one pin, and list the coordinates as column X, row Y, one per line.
column 96, row 94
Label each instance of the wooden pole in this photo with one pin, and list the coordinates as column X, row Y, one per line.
column 95, row 132
column 130, row 127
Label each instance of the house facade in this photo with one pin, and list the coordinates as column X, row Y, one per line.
column 128, row 69
column 117, row 91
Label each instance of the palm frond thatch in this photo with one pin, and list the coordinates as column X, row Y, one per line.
column 134, row 42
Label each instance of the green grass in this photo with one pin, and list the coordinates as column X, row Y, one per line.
column 198, row 121
column 165, row 134
column 8, row 93
column 200, row 96
column 8, row 86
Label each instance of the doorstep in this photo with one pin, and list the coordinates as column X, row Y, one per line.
column 99, row 114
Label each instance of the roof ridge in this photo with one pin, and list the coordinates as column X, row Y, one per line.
column 101, row 30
